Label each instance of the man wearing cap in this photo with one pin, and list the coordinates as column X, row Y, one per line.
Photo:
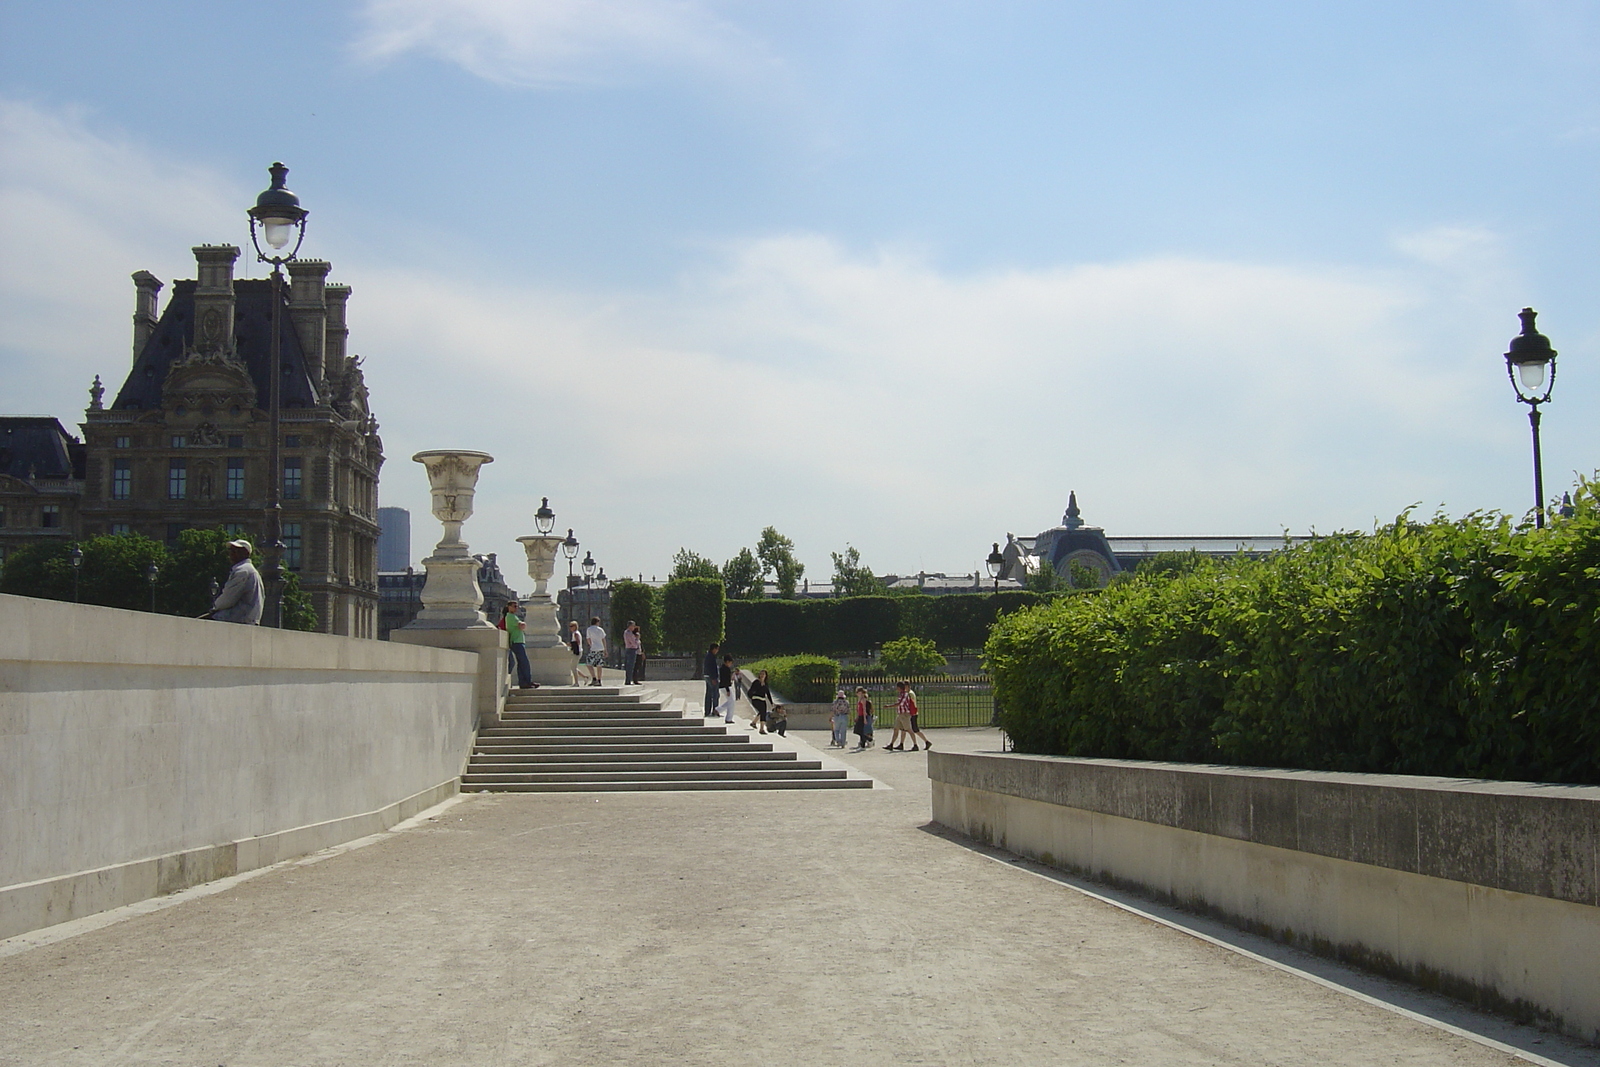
column 240, row 599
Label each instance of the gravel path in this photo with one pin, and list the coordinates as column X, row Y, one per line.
column 818, row 928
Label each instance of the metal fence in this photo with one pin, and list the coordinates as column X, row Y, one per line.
column 943, row 700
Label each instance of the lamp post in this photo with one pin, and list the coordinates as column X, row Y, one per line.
column 1531, row 366
column 544, row 520
column 569, row 548
column 276, row 219
column 77, row 565
column 151, row 573
column 996, row 563
column 587, row 567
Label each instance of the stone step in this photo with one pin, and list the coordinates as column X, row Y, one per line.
column 601, row 729
column 566, row 765
column 610, row 755
column 526, row 711
column 624, row 787
column 653, row 774
column 678, row 750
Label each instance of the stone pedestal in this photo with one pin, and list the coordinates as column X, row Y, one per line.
column 452, row 604
column 548, row 654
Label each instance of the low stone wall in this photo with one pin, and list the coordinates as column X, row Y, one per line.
column 1488, row 891
column 140, row 754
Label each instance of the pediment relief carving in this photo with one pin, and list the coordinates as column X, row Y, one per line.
column 8, row 484
column 199, row 383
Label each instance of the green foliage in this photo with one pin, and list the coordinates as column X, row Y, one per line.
column 639, row 602
column 802, row 679
column 850, row 578
column 692, row 613
column 1172, row 564
column 776, row 553
column 1459, row 648
column 839, row 625
column 741, row 577
column 687, row 564
column 1046, row 580
column 907, row 656
column 115, row 569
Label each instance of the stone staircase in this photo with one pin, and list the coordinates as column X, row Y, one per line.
column 593, row 739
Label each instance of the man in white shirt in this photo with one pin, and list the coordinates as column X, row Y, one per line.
column 595, row 635
column 241, row 598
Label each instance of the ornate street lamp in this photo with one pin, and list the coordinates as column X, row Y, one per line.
column 996, row 563
column 587, row 566
column 276, row 219
column 569, row 548
column 544, row 520
column 1531, row 366
column 77, row 565
column 151, row 573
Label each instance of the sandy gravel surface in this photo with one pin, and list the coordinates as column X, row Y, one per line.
column 819, row 928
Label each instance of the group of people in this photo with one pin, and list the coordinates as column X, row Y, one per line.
column 588, row 649
column 725, row 685
column 905, row 721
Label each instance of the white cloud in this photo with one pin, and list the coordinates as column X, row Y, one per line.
column 539, row 42
column 843, row 395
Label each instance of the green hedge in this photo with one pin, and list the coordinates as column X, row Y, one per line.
column 858, row 624
column 1458, row 648
column 802, row 679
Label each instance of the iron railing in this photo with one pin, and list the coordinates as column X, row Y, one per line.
column 943, row 700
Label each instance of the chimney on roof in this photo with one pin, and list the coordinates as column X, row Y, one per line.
column 338, row 334
column 146, row 286
column 308, row 308
column 213, row 298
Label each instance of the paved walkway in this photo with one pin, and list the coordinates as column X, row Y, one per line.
column 819, row 928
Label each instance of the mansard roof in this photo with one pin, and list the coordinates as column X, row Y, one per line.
column 38, row 446
column 252, row 329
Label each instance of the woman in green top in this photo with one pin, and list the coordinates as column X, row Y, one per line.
column 517, row 646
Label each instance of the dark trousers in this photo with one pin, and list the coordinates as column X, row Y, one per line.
column 630, row 657
column 518, row 655
column 712, row 695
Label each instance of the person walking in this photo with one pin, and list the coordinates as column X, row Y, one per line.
column 841, row 720
column 709, row 669
column 575, row 646
column 863, row 719
column 241, row 598
column 517, row 645
column 630, row 653
column 596, row 637
column 908, row 702
column 760, row 697
column 725, row 684
column 902, row 721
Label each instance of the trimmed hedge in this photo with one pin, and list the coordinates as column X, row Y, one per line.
column 1457, row 648
column 802, row 679
column 692, row 613
column 841, row 625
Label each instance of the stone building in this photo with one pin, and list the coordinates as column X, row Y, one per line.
column 185, row 442
column 41, row 481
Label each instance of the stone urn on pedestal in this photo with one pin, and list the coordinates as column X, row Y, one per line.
column 452, row 604
column 551, row 659
column 451, row 599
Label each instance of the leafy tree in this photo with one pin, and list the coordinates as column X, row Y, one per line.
column 741, row 576
column 687, row 564
column 910, row 655
column 692, row 613
column 639, row 602
column 115, row 574
column 776, row 553
column 1045, row 579
column 850, row 578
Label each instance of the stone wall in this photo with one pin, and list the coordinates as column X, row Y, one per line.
column 142, row 753
column 1486, row 890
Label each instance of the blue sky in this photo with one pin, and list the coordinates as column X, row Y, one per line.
column 893, row 274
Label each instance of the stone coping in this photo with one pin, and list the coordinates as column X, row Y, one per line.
column 1543, row 840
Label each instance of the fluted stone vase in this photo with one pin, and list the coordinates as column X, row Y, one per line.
column 551, row 659
column 451, row 599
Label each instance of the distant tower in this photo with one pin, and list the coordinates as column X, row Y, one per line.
column 394, row 539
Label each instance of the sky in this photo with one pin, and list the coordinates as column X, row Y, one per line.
column 892, row 274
